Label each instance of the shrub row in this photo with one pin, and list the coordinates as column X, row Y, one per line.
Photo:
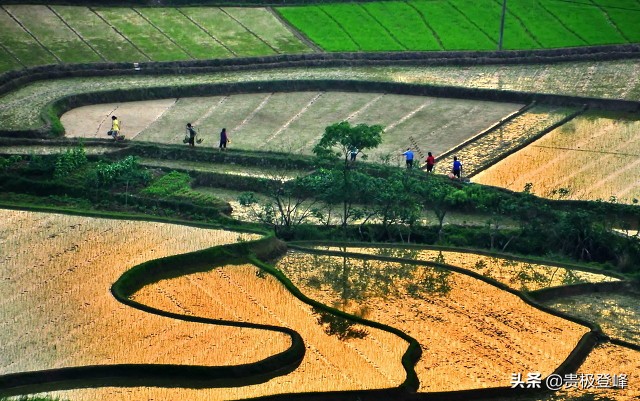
column 242, row 157
column 12, row 183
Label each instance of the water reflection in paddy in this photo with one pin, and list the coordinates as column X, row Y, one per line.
column 524, row 276
column 472, row 334
column 617, row 314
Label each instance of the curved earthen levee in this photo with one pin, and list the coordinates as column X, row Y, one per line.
column 70, row 308
column 173, row 375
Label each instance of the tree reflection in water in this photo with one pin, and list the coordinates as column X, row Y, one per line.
column 338, row 326
column 354, row 283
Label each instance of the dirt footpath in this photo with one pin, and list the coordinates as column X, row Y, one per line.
column 95, row 121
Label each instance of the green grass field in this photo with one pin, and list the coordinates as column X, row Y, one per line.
column 146, row 37
column 22, row 44
column 196, row 42
column 36, row 35
column 466, row 24
column 102, row 37
column 54, row 34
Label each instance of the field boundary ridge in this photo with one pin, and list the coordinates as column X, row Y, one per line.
column 13, row 79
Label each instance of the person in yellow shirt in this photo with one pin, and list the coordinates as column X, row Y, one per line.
column 115, row 127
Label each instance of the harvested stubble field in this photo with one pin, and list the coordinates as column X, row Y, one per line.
column 35, row 35
column 464, row 24
column 591, row 157
column 473, row 335
column 57, row 309
column 294, row 122
column 339, row 361
column 482, row 152
column 522, row 276
column 21, row 108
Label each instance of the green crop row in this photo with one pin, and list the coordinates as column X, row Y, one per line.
column 465, row 24
column 36, row 35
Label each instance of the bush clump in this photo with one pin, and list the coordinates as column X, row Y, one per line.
column 69, row 161
column 127, row 170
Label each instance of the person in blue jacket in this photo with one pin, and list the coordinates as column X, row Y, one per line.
column 409, row 157
column 457, row 167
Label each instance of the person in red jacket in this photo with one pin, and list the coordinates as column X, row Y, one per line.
column 431, row 161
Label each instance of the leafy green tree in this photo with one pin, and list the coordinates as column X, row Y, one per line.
column 437, row 197
column 289, row 202
column 339, row 140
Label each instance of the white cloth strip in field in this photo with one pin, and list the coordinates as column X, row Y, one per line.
column 252, row 114
column 294, row 118
column 408, row 115
column 210, row 111
column 159, row 116
column 365, row 107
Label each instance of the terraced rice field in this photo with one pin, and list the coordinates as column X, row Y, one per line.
column 20, row 109
column 35, row 35
column 294, row 122
column 487, row 149
column 522, row 276
column 465, row 24
column 473, row 335
column 333, row 361
column 592, row 157
column 58, row 310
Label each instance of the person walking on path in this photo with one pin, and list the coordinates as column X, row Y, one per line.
column 115, row 128
column 409, row 157
column 224, row 139
column 431, row 161
column 457, row 167
column 192, row 135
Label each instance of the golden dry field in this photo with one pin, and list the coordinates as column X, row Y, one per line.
column 57, row 309
column 473, row 335
column 333, row 362
column 588, row 158
column 523, row 276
